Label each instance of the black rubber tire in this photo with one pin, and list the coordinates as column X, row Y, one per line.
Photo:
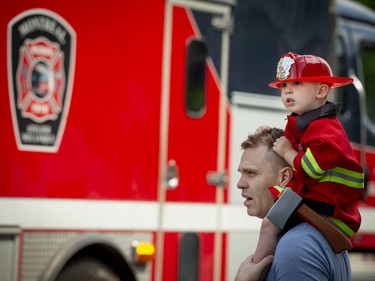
column 87, row 269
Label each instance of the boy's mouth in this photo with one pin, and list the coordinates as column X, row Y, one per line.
column 289, row 100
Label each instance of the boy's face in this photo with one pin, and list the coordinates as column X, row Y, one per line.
column 301, row 97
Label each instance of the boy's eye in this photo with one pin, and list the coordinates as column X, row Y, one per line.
column 283, row 85
column 297, row 83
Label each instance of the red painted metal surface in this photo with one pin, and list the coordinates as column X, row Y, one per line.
column 110, row 145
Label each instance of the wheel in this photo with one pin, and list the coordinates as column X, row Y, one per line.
column 87, row 269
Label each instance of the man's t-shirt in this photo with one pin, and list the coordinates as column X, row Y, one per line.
column 303, row 253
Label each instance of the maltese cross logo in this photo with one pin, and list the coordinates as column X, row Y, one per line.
column 41, row 79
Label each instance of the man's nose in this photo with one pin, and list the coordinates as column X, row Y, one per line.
column 241, row 184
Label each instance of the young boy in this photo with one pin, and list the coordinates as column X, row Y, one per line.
column 329, row 177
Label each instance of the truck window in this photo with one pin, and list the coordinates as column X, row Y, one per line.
column 195, row 92
column 368, row 64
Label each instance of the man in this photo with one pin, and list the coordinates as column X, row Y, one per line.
column 302, row 253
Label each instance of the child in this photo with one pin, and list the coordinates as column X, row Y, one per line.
column 328, row 175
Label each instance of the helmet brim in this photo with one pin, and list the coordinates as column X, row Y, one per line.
column 333, row 81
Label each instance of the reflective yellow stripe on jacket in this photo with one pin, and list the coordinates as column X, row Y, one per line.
column 337, row 174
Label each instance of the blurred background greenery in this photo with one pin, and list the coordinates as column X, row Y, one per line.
column 368, row 3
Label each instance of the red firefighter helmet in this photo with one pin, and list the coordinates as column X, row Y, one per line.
column 308, row 68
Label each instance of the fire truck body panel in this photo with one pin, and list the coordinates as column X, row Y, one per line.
column 86, row 166
column 117, row 133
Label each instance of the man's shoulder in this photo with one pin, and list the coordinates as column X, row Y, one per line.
column 303, row 253
column 303, row 238
column 304, row 229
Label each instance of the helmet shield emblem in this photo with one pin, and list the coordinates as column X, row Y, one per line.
column 41, row 58
column 283, row 68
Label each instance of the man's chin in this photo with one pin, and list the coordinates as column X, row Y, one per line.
column 251, row 213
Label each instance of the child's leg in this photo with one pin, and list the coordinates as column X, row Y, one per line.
column 268, row 237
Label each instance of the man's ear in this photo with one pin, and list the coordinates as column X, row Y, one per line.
column 285, row 175
column 323, row 90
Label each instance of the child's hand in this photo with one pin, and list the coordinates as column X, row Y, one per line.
column 281, row 146
column 250, row 271
column 263, row 129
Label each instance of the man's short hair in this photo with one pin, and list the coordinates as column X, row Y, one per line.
column 267, row 138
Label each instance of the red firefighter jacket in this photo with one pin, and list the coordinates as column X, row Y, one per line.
column 327, row 171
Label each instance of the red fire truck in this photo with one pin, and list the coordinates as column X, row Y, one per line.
column 121, row 122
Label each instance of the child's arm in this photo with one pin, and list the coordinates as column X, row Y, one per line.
column 268, row 237
column 283, row 147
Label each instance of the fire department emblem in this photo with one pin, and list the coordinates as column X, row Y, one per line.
column 283, row 68
column 41, row 57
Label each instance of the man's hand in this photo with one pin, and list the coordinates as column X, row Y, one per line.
column 250, row 271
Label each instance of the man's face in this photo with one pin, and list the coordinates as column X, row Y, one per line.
column 256, row 176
